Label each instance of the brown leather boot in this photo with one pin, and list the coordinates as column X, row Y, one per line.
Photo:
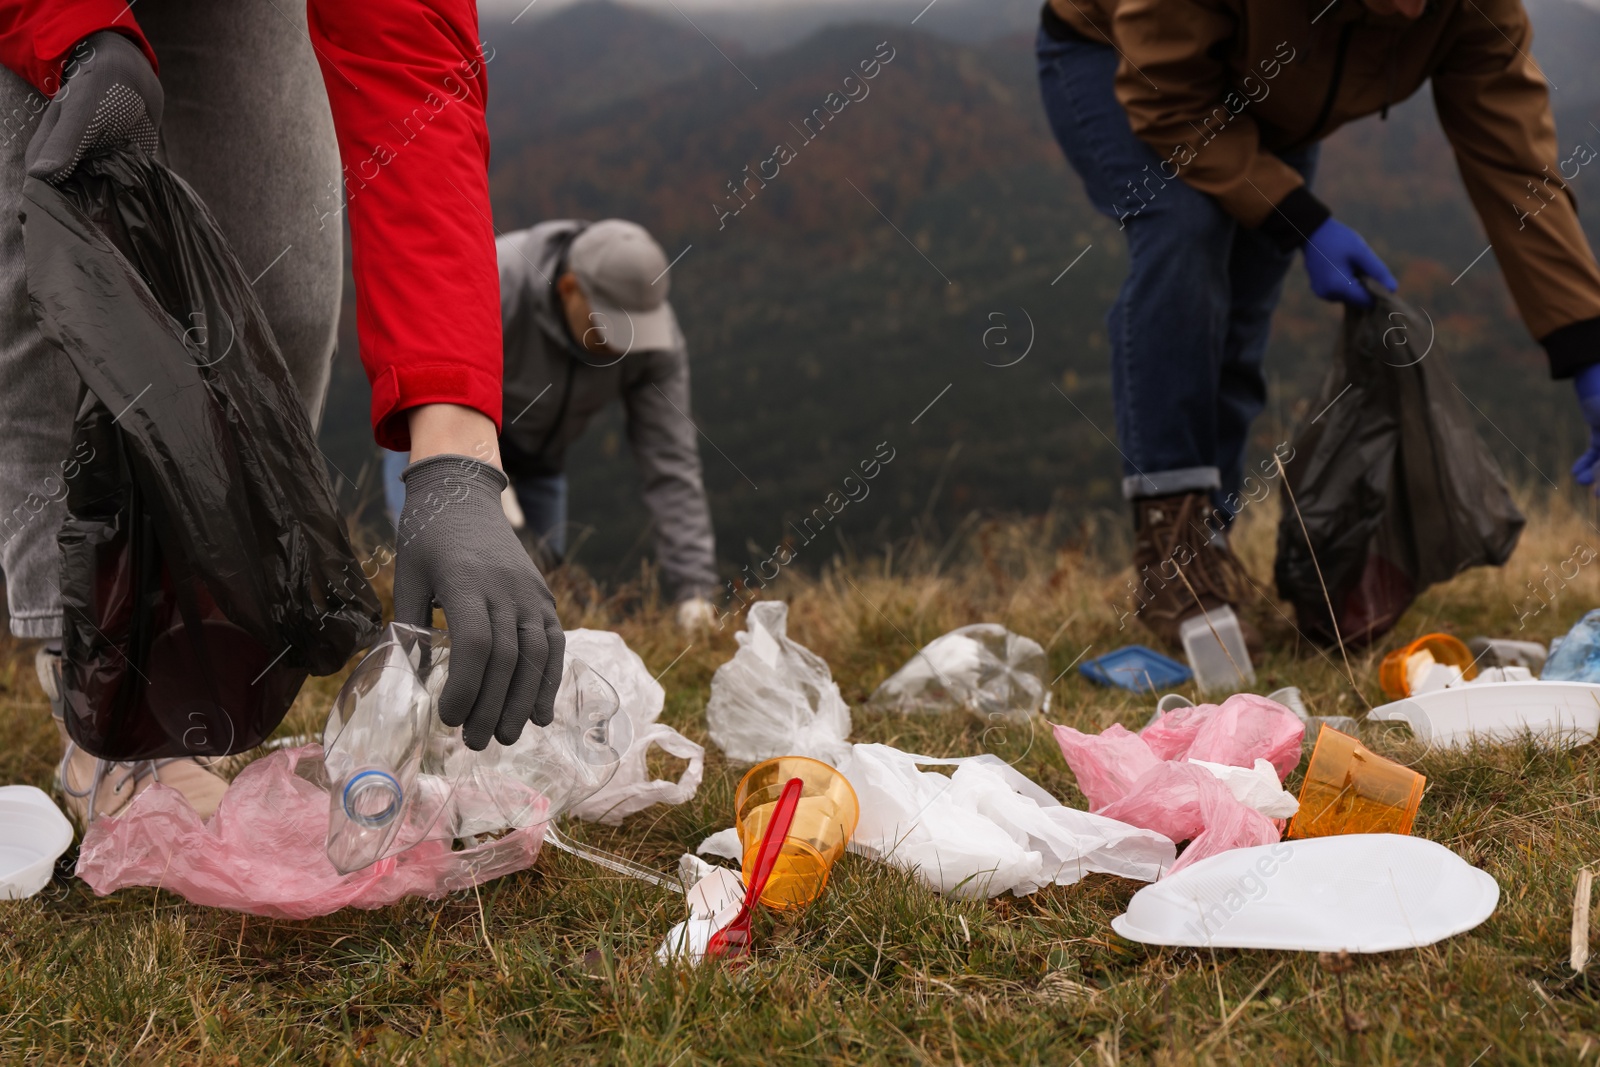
column 1183, row 565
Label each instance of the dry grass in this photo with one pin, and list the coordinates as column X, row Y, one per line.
column 881, row 970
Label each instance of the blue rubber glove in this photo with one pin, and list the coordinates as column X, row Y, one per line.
column 1336, row 257
column 1587, row 385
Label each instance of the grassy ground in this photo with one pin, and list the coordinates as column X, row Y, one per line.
column 556, row 964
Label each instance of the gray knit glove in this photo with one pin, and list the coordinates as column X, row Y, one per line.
column 111, row 99
column 456, row 548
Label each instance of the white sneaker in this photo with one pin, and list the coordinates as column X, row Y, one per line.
column 92, row 787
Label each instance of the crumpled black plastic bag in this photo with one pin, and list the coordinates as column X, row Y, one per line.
column 205, row 570
column 1396, row 488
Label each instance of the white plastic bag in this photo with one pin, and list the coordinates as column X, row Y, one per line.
column 983, row 668
column 776, row 697
column 631, row 789
column 987, row 828
column 1255, row 787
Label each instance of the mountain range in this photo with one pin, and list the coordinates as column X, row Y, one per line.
column 921, row 268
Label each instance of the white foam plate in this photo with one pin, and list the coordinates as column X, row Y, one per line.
column 1564, row 714
column 1355, row 893
column 33, row 835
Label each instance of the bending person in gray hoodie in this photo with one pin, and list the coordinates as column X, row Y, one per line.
column 586, row 320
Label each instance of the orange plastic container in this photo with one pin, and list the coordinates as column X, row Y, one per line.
column 823, row 822
column 1350, row 789
column 1443, row 648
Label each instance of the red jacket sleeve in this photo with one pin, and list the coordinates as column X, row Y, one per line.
column 36, row 35
column 408, row 88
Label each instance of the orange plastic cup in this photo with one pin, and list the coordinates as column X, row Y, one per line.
column 1350, row 789
column 823, row 823
column 1443, row 648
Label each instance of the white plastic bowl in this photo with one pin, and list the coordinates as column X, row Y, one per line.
column 1356, row 892
column 33, row 835
column 1563, row 714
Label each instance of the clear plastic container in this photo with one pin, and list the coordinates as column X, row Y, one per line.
column 396, row 776
column 1215, row 646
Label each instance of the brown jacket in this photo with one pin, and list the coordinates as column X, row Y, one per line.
column 1217, row 86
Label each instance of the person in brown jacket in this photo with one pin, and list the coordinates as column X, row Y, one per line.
column 1194, row 124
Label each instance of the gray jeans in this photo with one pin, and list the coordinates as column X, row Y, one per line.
column 247, row 124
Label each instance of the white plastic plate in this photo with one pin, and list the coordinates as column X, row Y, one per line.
column 33, row 835
column 1356, row 893
column 1565, row 714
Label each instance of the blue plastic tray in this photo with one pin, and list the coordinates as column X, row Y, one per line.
column 1137, row 668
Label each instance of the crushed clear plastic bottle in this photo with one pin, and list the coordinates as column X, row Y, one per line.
column 396, row 776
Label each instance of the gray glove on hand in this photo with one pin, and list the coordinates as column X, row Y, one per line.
column 111, row 98
column 456, row 547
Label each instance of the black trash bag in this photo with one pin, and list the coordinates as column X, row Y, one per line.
column 205, row 570
column 1396, row 489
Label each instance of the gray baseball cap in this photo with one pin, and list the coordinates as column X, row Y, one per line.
column 623, row 272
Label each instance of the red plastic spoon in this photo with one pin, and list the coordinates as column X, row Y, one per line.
column 733, row 941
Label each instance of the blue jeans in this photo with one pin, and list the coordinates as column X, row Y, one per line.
column 1189, row 329
column 543, row 499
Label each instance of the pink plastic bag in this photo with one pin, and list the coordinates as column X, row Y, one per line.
column 1171, row 736
column 263, row 852
column 1247, row 728
column 1239, row 731
column 1106, row 764
column 1189, row 803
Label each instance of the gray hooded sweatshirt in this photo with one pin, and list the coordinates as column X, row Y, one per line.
column 553, row 387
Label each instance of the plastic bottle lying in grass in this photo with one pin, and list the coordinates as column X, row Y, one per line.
column 396, row 776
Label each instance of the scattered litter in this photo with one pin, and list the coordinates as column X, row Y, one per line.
column 1431, row 662
column 1502, row 652
column 275, row 844
column 1155, row 778
column 776, row 697
column 264, row 851
column 1137, row 668
column 1349, row 789
column 986, row 829
column 984, row 669
column 826, row 816
column 1214, row 645
column 631, row 789
column 1561, row 714
column 1360, row 893
column 33, row 835
column 1576, row 656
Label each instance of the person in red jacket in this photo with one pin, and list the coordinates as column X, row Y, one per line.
column 284, row 118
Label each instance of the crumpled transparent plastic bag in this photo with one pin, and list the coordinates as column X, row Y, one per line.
column 983, row 668
column 776, row 697
column 986, row 829
column 631, row 789
column 263, row 852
